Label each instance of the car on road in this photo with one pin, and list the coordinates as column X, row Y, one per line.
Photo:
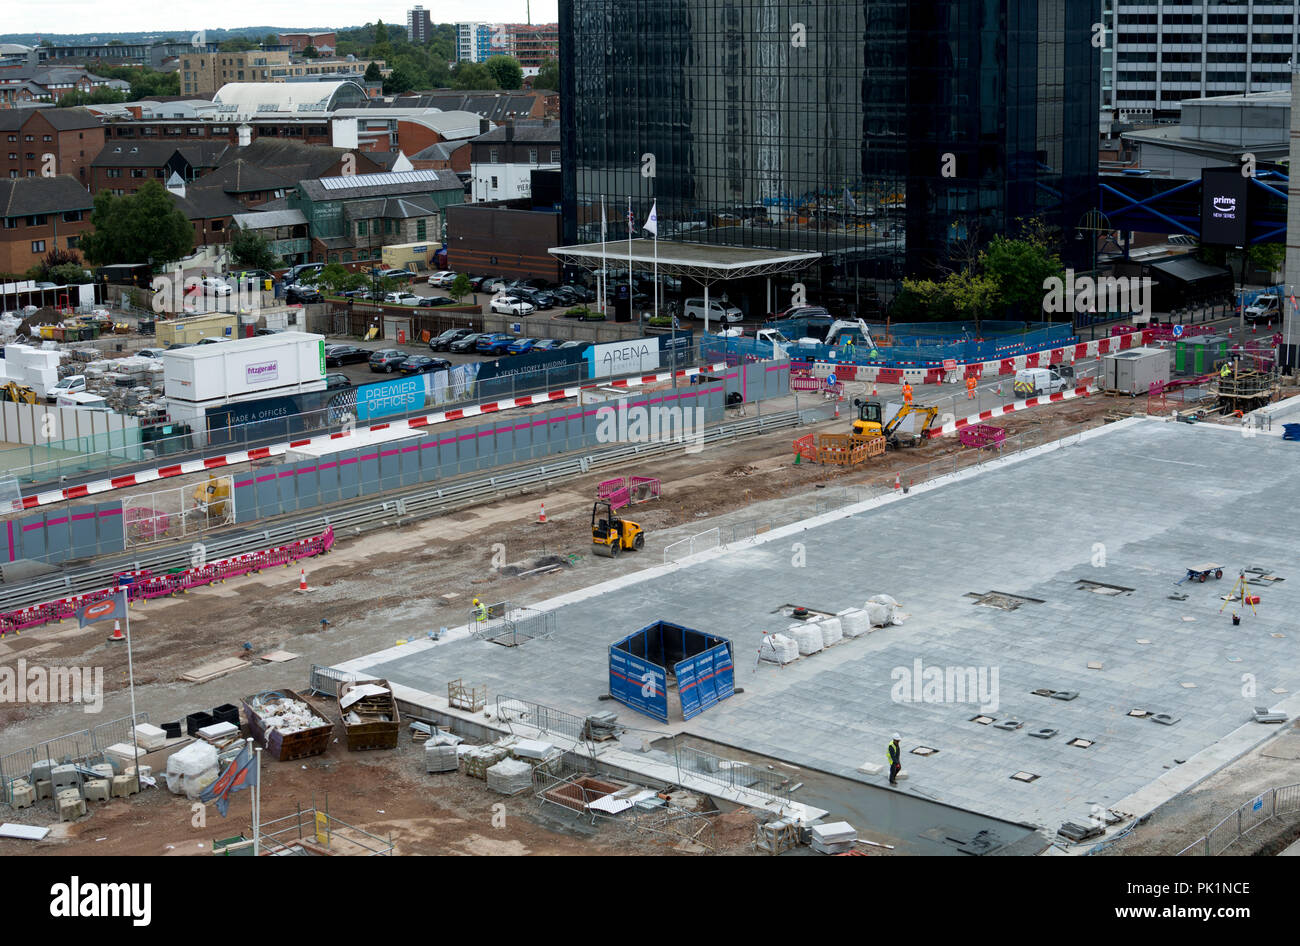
column 300, row 295
column 387, row 360
column 335, row 381
column 1265, row 308
column 422, row 364
column 496, row 343
column 442, row 279
column 509, row 305
column 521, row 346
column 336, row 356
column 443, row 342
column 466, row 343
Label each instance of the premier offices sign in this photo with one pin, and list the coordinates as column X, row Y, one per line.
column 1224, row 197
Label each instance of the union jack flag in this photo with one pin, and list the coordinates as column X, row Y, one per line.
column 631, row 222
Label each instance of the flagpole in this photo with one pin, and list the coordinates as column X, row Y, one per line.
column 257, row 802
column 655, row 205
column 604, row 239
column 130, row 669
column 631, row 222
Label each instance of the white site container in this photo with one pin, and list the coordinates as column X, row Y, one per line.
column 285, row 363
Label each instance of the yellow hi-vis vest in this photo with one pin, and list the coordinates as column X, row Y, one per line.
column 889, row 752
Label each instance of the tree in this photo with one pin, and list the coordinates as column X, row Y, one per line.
column 472, row 75
column 240, row 44
column 381, row 32
column 507, row 71
column 67, row 274
column 460, row 287
column 271, row 39
column 249, row 250
column 373, row 74
column 1269, row 257
column 333, row 279
column 52, row 262
column 548, row 76
column 145, row 226
column 1018, row 269
column 100, row 95
column 309, row 52
column 399, row 81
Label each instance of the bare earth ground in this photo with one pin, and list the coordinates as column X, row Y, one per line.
column 386, row 587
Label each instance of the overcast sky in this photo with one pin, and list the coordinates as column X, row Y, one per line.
column 89, row 16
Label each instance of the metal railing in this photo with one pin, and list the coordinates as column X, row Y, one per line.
column 1246, row 818
column 511, row 710
column 739, row 776
column 80, row 747
column 710, row 539
column 324, row 681
column 320, row 826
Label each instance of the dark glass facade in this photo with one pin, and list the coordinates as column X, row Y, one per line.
column 886, row 135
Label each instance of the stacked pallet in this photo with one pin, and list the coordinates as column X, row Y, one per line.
column 808, row 637
column 778, row 649
column 510, row 777
column 832, row 631
column 854, row 622
column 439, row 758
column 834, row 838
column 475, row 761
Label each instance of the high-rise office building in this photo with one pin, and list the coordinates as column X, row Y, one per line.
column 475, row 42
column 419, row 25
column 1165, row 51
column 888, row 136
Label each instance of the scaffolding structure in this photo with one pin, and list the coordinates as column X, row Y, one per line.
column 1245, row 389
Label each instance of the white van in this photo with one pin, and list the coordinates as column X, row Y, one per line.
column 1033, row 382
column 718, row 311
column 89, row 402
column 73, row 384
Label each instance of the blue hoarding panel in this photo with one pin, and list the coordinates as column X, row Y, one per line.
column 705, row 679
column 385, row 398
column 638, row 683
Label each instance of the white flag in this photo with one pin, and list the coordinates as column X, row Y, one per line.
column 652, row 221
column 604, row 223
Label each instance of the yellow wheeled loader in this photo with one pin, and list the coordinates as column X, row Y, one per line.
column 610, row 534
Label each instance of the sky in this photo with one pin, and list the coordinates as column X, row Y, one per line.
column 89, row 16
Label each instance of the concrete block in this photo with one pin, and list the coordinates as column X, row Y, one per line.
column 870, row 768
column 22, row 795
column 122, row 754
column 44, row 789
column 124, row 785
column 98, row 789
column 70, row 809
column 103, row 769
column 146, row 771
column 41, row 771
column 148, row 736
column 66, row 793
column 65, row 776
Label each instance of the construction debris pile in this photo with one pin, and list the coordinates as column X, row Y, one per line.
column 287, row 715
column 132, row 385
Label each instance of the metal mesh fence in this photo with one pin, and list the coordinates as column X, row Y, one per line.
column 80, row 746
column 1246, row 818
column 179, row 513
column 525, row 713
column 770, row 783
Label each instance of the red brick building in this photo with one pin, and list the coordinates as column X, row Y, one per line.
column 39, row 214
column 297, row 42
column 71, row 135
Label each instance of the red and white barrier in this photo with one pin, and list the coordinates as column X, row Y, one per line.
column 956, row 425
column 157, row 586
column 261, row 453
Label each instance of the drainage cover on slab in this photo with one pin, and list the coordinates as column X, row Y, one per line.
column 1164, row 719
column 1100, row 588
column 982, row 720
column 801, row 612
column 1024, row 776
column 1080, row 743
column 1001, row 599
column 1065, row 695
column 1010, row 725
column 1043, row 733
column 924, row 750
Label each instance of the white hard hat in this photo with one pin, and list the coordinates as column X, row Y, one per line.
column 896, row 737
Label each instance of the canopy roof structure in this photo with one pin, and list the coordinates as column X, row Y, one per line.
column 702, row 262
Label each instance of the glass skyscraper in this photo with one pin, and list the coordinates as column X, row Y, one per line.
column 889, row 136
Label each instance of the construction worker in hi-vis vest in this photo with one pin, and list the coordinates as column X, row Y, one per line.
column 895, row 756
column 480, row 610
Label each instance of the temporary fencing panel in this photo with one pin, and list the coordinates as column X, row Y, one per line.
column 705, row 679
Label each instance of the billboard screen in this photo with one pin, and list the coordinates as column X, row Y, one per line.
column 1223, row 206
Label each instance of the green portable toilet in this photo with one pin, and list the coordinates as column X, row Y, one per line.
column 1181, row 359
column 1208, row 350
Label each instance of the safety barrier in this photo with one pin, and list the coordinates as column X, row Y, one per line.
column 147, row 586
column 79, row 746
column 324, row 681
column 982, row 436
column 847, row 450
column 803, row 381
column 806, row 447
column 628, row 491
column 1248, row 816
column 642, row 489
column 1084, row 390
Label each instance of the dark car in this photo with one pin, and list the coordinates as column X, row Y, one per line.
column 565, row 296
column 581, row 293
column 335, row 381
column 297, row 295
column 443, row 342
column 540, row 299
column 435, row 301
column 466, row 343
column 420, row 364
column 476, row 282
column 545, row 344
column 175, row 345
column 387, row 360
column 497, row 343
column 336, row 356
column 574, row 344
column 303, row 269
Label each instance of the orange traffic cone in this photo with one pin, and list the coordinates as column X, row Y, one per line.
column 898, row 482
column 875, row 391
column 541, row 513
column 117, row 634
column 302, row 580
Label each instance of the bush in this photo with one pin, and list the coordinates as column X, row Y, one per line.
column 577, row 312
column 593, row 316
column 660, row 321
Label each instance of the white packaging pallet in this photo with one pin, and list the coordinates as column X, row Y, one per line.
column 832, row 631
column 510, row 777
column 854, row 622
column 808, row 637
column 834, row 838
column 778, row 649
column 439, row 758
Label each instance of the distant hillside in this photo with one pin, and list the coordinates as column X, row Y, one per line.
column 213, row 35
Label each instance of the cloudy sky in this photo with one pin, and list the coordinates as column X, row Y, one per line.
column 89, row 16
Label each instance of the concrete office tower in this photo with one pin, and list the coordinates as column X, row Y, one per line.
column 1291, row 324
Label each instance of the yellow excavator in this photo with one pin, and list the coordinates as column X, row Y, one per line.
column 870, row 423
column 610, row 534
column 19, row 394
column 210, row 497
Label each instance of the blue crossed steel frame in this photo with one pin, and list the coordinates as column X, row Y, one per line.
column 1129, row 212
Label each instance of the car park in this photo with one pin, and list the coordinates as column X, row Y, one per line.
column 443, row 342
column 422, row 364
column 387, row 360
column 336, row 356
column 496, row 343
column 466, row 343
column 510, row 305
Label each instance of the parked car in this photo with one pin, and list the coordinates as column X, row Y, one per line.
column 395, row 298
column 209, row 341
column 437, row 301
column 574, row 343
column 387, row 360
column 300, row 295
column 581, row 293
column 150, row 352
column 443, row 278
column 800, row 312
column 336, row 356
column 718, row 311
column 296, row 273
column 335, row 381
column 538, row 298
column 174, row 346
column 467, row 343
column 476, row 282
column 422, row 364
column 492, row 284
column 443, row 342
column 546, row 344
column 496, row 343
column 396, row 274
column 213, row 286
column 521, row 345
column 565, row 296
column 72, row 384
column 509, row 305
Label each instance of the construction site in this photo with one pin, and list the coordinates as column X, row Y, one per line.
column 1064, row 612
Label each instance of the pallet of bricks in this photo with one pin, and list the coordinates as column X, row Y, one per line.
column 508, row 765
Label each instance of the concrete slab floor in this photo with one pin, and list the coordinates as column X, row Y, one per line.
column 1132, row 506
